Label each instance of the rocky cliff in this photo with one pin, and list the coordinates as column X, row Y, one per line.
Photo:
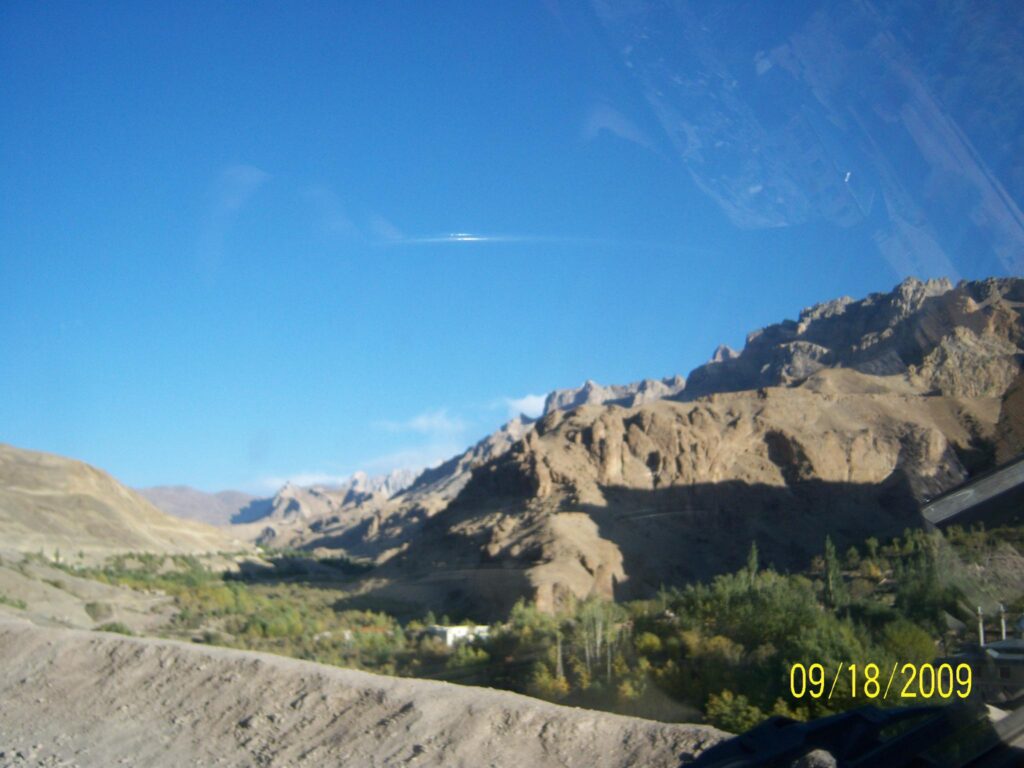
column 962, row 340
column 837, row 423
column 626, row 395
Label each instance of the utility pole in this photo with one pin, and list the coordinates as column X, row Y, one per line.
column 981, row 627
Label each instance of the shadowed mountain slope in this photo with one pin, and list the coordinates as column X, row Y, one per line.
column 840, row 422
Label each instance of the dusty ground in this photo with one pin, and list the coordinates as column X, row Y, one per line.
column 53, row 597
column 77, row 698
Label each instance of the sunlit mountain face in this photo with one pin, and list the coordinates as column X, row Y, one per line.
column 897, row 123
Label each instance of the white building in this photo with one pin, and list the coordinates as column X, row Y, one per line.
column 458, row 634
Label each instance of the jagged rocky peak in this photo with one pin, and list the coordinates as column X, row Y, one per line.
column 627, row 395
column 387, row 485
column 958, row 340
column 601, row 500
column 837, row 422
column 294, row 502
column 722, row 353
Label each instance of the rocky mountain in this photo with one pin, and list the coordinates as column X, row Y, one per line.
column 626, row 395
column 1010, row 430
column 49, row 502
column 221, row 508
column 376, row 525
column 839, row 423
column 957, row 341
column 292, row 503
column 618, row 501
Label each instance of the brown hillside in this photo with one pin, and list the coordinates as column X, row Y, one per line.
column 49, row 502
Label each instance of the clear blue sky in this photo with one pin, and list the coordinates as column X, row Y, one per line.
column 226, row 251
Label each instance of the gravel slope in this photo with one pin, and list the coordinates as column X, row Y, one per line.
column 76, row 698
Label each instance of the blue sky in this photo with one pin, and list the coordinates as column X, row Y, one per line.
column 226, row 234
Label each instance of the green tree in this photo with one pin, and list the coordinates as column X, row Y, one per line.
column 872, row 547
column 732, row 713
column 544, row 685
column 835, row 594
column 647, row 644
column 752, row 562
column 852, row 558
column 907, row 642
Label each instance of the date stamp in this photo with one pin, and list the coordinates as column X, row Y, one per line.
column 870, row 681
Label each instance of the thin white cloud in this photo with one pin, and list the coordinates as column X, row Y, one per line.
column 304, row 479
column 437, row 422
column 414, row 457
column 475, row 237
column 232, row 190
column 465, row 237
column 330, row 211
column 603, row 118
column 385, row 230
column 528, row 405
column 236, row 184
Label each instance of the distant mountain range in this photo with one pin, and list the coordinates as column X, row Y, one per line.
column 627, row 395
column 837, row 423
column 220, row 508
column 236, row 507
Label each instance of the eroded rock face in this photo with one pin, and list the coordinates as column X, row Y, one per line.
column 838, row 423
column 677, row 491
column 961, row 341
column 1010, row 430
column 626, row 395
column 839, row 427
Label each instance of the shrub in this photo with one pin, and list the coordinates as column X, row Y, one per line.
column 115, row 626
column 99, row 611
column 13, row 602
column 648, row 643
column 732, row 713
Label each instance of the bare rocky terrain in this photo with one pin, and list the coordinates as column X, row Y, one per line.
column 1010, row 430
column 291, row 501
column 72, row 698
column 626, row 395
column 46, row 595
column 841, row 422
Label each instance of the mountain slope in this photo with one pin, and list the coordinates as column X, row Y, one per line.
column 375, row 525
column 617, row 502
column 221, row 508
column 1010, row 432
column 97, row 699
column 963, row 340
column 626, row 395
column 49, row 502
column 838, row 423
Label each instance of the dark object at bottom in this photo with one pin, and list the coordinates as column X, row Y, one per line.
column 953, row 736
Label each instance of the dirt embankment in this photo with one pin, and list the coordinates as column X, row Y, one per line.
column 74, row 698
